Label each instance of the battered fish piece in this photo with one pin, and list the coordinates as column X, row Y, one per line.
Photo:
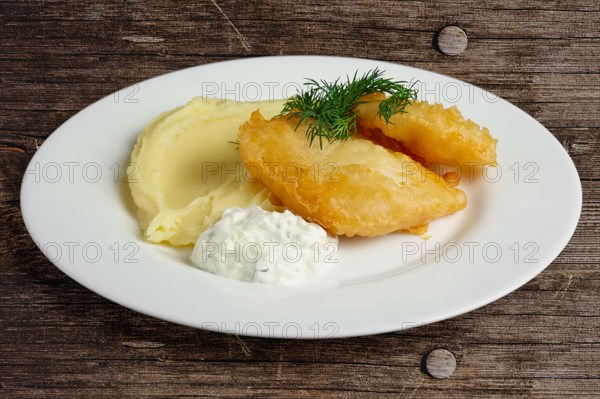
column 352, row 187
column 430, row 131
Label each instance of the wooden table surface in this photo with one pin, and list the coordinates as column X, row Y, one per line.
column 60, row 340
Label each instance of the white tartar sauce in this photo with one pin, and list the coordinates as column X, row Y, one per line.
column 252, row 244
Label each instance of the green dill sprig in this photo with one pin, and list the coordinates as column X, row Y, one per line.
column 327, row 107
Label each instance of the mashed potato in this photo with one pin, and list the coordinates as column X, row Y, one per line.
column 186, row 170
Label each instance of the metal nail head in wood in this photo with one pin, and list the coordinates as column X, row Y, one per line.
column 452, row 40
column 440, row 363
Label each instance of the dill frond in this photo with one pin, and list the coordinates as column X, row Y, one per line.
column 327, row 107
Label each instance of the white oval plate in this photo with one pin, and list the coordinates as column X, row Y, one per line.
column 519, row 218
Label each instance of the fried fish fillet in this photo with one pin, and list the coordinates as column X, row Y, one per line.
column 352, row 187
column 432, row 132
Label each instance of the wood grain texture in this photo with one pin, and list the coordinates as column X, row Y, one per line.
column 57, row 339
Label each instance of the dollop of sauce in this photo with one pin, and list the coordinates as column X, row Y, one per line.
column 251, row 244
